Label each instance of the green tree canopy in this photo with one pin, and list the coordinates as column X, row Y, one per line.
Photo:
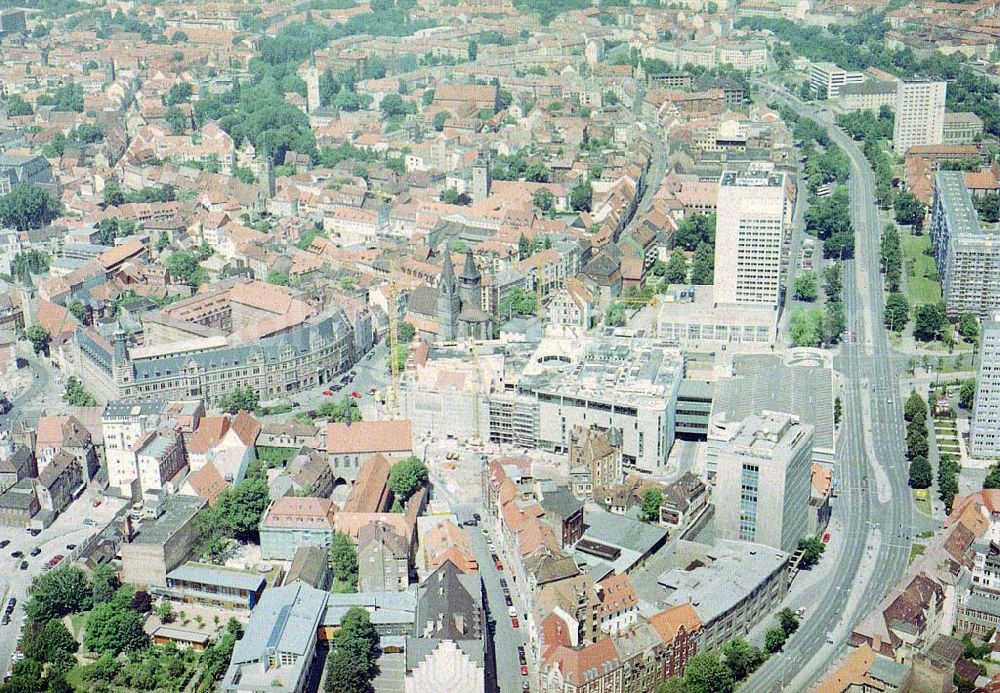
column 652, row 499
column 915, row 408
column 351, row 664
column 967, row 393
column 706, row 673
column 28, row 207
column 677, row 267
column 774, row 639
column 405, row 477
column 39, row 338
column 694, row 230
column 807, row 327
column 114, row 627
column 581, row 196
column 344, row 559
column 993, row 477
column 909, row 210
column 57, row 593
column 806, row 286
column 240, row 399
column 921, row 474
column 238, row 510
column 812, row 548
column 788, row 621
column 184, row 267
column 703, row 265
column 897, row 311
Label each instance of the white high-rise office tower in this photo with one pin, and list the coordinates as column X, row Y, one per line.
column 919, row 114
column 763, row 481
column 984, row 438
column 750, row 227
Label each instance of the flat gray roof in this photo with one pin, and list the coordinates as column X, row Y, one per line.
column 765, row 383
column 733, row 570
column 956, row 203
column 235, row 579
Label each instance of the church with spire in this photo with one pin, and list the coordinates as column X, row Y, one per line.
column 453, row 310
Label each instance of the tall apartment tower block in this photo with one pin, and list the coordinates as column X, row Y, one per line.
column 984, row 437
column 919, row 114
column 749, row 230
column 967, row 254
column 763, row 481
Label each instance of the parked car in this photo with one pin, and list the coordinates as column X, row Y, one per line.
column 35, row 551
column 16, row 554
column 96, row 503
column 24, row 565
column 5, row 619
column 524, row 670
column 515, row 623
column 70, row 547
column 4, row 544
column 327, row 393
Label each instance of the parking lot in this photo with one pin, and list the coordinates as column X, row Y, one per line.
column 69, row 529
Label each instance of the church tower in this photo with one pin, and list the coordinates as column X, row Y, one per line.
column 449, row 302
column 267, row 185
column 470, row 283
column 312, row 85
column 481, row 180
column 121, row 363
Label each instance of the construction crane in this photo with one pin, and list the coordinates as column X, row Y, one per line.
column 393, row 400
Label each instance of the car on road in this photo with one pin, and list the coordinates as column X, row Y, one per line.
column 525, row 686
column 499, row 565
column 34, row 532
column 35, row 551
column 96, row 503
column 520, row 655
column 506, row 598
column 514, row 622
column 503, row 583
column 327, row 393
column 826, row 537
column 4, row 544
column 485, row 531
column 70, row 547
column 24, row 565
column 524, row 670
column 16, row 554
column 11, row 603
column 476, row 517
column 5, row 619
column 355, row 394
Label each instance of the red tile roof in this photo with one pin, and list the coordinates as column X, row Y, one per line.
column 369, row 437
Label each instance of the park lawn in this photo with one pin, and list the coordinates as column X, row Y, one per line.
column 922, row 498
column 916, row 550
column 921, row 279
column 275, row 457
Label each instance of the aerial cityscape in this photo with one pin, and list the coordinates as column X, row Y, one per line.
column 499, row 346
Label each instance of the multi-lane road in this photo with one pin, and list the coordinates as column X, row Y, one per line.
column 875, row 507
